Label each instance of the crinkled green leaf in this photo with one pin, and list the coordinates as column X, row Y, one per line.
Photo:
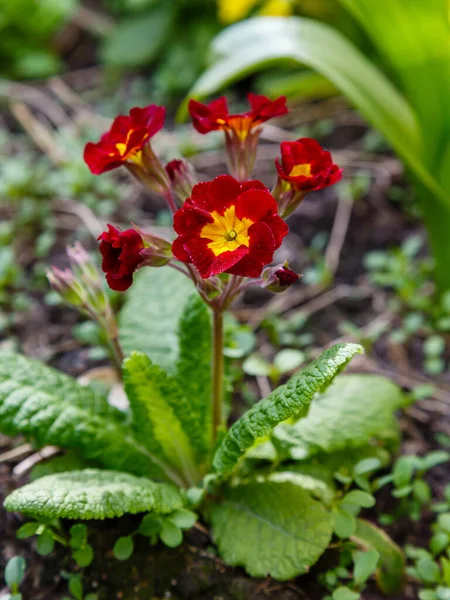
column 149, row 318
column 353, row 410
column 316, row 487
column 28, row 372
column 287, row 401
column 154, row 400
column 194, row 375
column 93, row 494
column 270, row 528
column 57, row 415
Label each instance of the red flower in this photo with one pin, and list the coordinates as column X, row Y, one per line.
column 215, row 115
column 121, row 256
column 307, row 166
column 125, row 140
column 228, row 227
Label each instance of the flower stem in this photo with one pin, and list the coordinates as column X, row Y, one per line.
column 218, row 367
column 170, row 201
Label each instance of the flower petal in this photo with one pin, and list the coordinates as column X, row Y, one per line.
column 205, row 261
column 261, row 249
column 255, row 205
column 223, row 192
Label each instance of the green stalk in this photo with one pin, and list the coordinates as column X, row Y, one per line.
column 217, row 374
column 437, row 220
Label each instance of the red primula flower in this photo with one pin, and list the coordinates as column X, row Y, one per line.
column 306, row 166
column 228, row 227
column 126, row 139
column 215, row 115
column 121, row 256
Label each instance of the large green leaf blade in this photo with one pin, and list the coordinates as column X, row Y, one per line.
column 194, row 374
column 270, row 528
column 354, row 410
column 93, row 494
column 414, row 40
column 155, row 399
column 149, row 319
column 287, row 401
column 49, row 416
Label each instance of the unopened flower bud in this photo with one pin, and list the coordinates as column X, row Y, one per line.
column 65, row 283
column 182, row 178
column 157, row 251
column 279, row 278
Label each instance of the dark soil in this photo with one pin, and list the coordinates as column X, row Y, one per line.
column 194, row 571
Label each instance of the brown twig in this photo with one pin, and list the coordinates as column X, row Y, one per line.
column 338, row 232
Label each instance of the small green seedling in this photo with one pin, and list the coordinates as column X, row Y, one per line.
column 14, row 573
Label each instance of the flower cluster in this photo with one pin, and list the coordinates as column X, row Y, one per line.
column 227, row 229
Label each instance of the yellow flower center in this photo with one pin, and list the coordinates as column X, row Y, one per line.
column 300, row 170
column 227, row 232
column 133, row 154
column 240, row 126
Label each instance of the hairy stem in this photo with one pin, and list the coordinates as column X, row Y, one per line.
column 218, row 366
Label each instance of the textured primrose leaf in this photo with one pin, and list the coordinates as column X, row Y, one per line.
column 354, row 410
column 148, row 321
column 194, row 374
column 93, row 494
column 154, row 400
column 287, row 401
column 59, row 416
column 270, row 528
column 28, row 372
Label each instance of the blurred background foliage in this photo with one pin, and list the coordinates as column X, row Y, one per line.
column 170, row 38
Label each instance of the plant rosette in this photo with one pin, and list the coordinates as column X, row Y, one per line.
column 258, row 485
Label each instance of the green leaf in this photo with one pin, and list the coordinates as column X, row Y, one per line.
column 150, row 525
column 365, row 565
column 288, row 360
column 195, row 375
column 390, row 573
column 439, row 542
column 287, row 401
column 93, row 494
column 14, row 571
column 45, row 543
column 345, row 593
column 171, row 534
column 155, row 399
column 359, row 498
column 344, row 523
column 83, row 556
column 184, row 519
column 283, row 530
column 26, row 372
column 428, row 570
column 148, row 321
column 394, row 32
column 136, row 41
column 317, row 488
column 363, row 404
column 76, row 587
column 50, row 410
column 123, row 548
column 27, row 530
